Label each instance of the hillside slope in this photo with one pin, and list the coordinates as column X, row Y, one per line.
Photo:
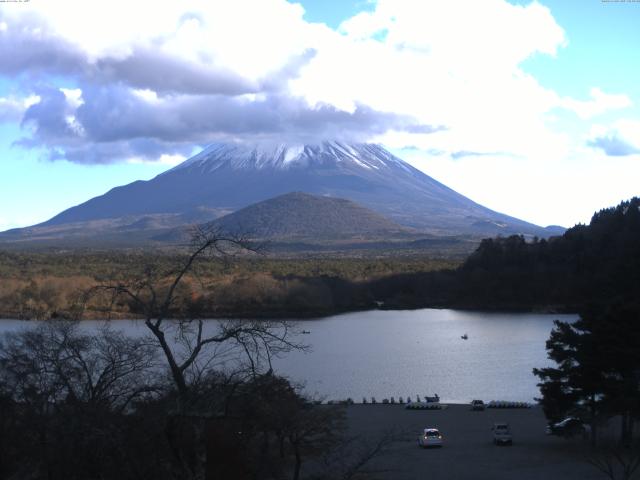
column 300, row 215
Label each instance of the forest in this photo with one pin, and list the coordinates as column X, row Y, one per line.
column 589, row 262
column 41, row 285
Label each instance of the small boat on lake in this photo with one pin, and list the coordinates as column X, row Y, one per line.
column 306, row 332
column 464, row 337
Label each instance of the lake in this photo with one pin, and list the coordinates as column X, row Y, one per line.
column 411, row 352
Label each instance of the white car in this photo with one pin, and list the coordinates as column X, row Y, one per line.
column 431, row 437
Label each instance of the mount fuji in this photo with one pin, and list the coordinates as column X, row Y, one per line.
column 224, row 178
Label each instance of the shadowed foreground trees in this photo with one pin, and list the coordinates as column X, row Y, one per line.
column 66, row 394
column 241, row 350
column 190, row 400
column 598, row 368
column 159, row 294
column 78, row 406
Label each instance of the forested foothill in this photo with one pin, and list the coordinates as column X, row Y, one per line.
column 75, row 405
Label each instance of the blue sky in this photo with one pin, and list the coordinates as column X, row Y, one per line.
column 539, row 103
column 602, row 49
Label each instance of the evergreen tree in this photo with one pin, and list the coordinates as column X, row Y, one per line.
column 575, row 386
column 598, row 368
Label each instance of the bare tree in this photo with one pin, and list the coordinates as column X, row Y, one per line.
column 67, row 393
column 183, row 338
column 198, row 353
column 55, row 362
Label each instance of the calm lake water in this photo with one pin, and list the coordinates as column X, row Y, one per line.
column 416, row 352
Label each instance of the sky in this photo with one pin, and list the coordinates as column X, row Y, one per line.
column 529, row 108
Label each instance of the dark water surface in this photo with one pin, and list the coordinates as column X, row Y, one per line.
column 412, row 352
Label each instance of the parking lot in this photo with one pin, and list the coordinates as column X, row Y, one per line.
column 468, row 451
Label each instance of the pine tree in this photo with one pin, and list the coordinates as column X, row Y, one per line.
column 598, row 368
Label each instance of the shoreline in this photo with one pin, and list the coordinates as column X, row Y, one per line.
column 298, row 315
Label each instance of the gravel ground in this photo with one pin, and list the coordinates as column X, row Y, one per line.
column 468, row 451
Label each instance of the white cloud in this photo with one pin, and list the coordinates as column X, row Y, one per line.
column 627, row 129
column 600, row 102
column 620, row 139
column 446, row 63
column 73, row 97
column 451, row 64
column 559, row 190
column 477, row 32
column 249, row 37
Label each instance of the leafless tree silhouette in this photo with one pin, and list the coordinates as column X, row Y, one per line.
column 184, row 338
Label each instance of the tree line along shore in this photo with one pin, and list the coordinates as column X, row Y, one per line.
column 589, row 263
column 51, row 285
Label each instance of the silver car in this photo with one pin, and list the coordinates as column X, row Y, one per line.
column 431, row 437
column 569, row 427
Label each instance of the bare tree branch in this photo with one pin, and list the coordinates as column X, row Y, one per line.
column 259, row 340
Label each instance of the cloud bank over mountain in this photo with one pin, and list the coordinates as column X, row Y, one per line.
column 112, row 88
column 122, row 81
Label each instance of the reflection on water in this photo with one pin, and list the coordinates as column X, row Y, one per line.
column 418, row 352
column 400, row 353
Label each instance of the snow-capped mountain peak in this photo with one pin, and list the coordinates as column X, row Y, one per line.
column 240, row 156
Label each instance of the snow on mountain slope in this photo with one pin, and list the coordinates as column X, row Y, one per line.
column 284, row 156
